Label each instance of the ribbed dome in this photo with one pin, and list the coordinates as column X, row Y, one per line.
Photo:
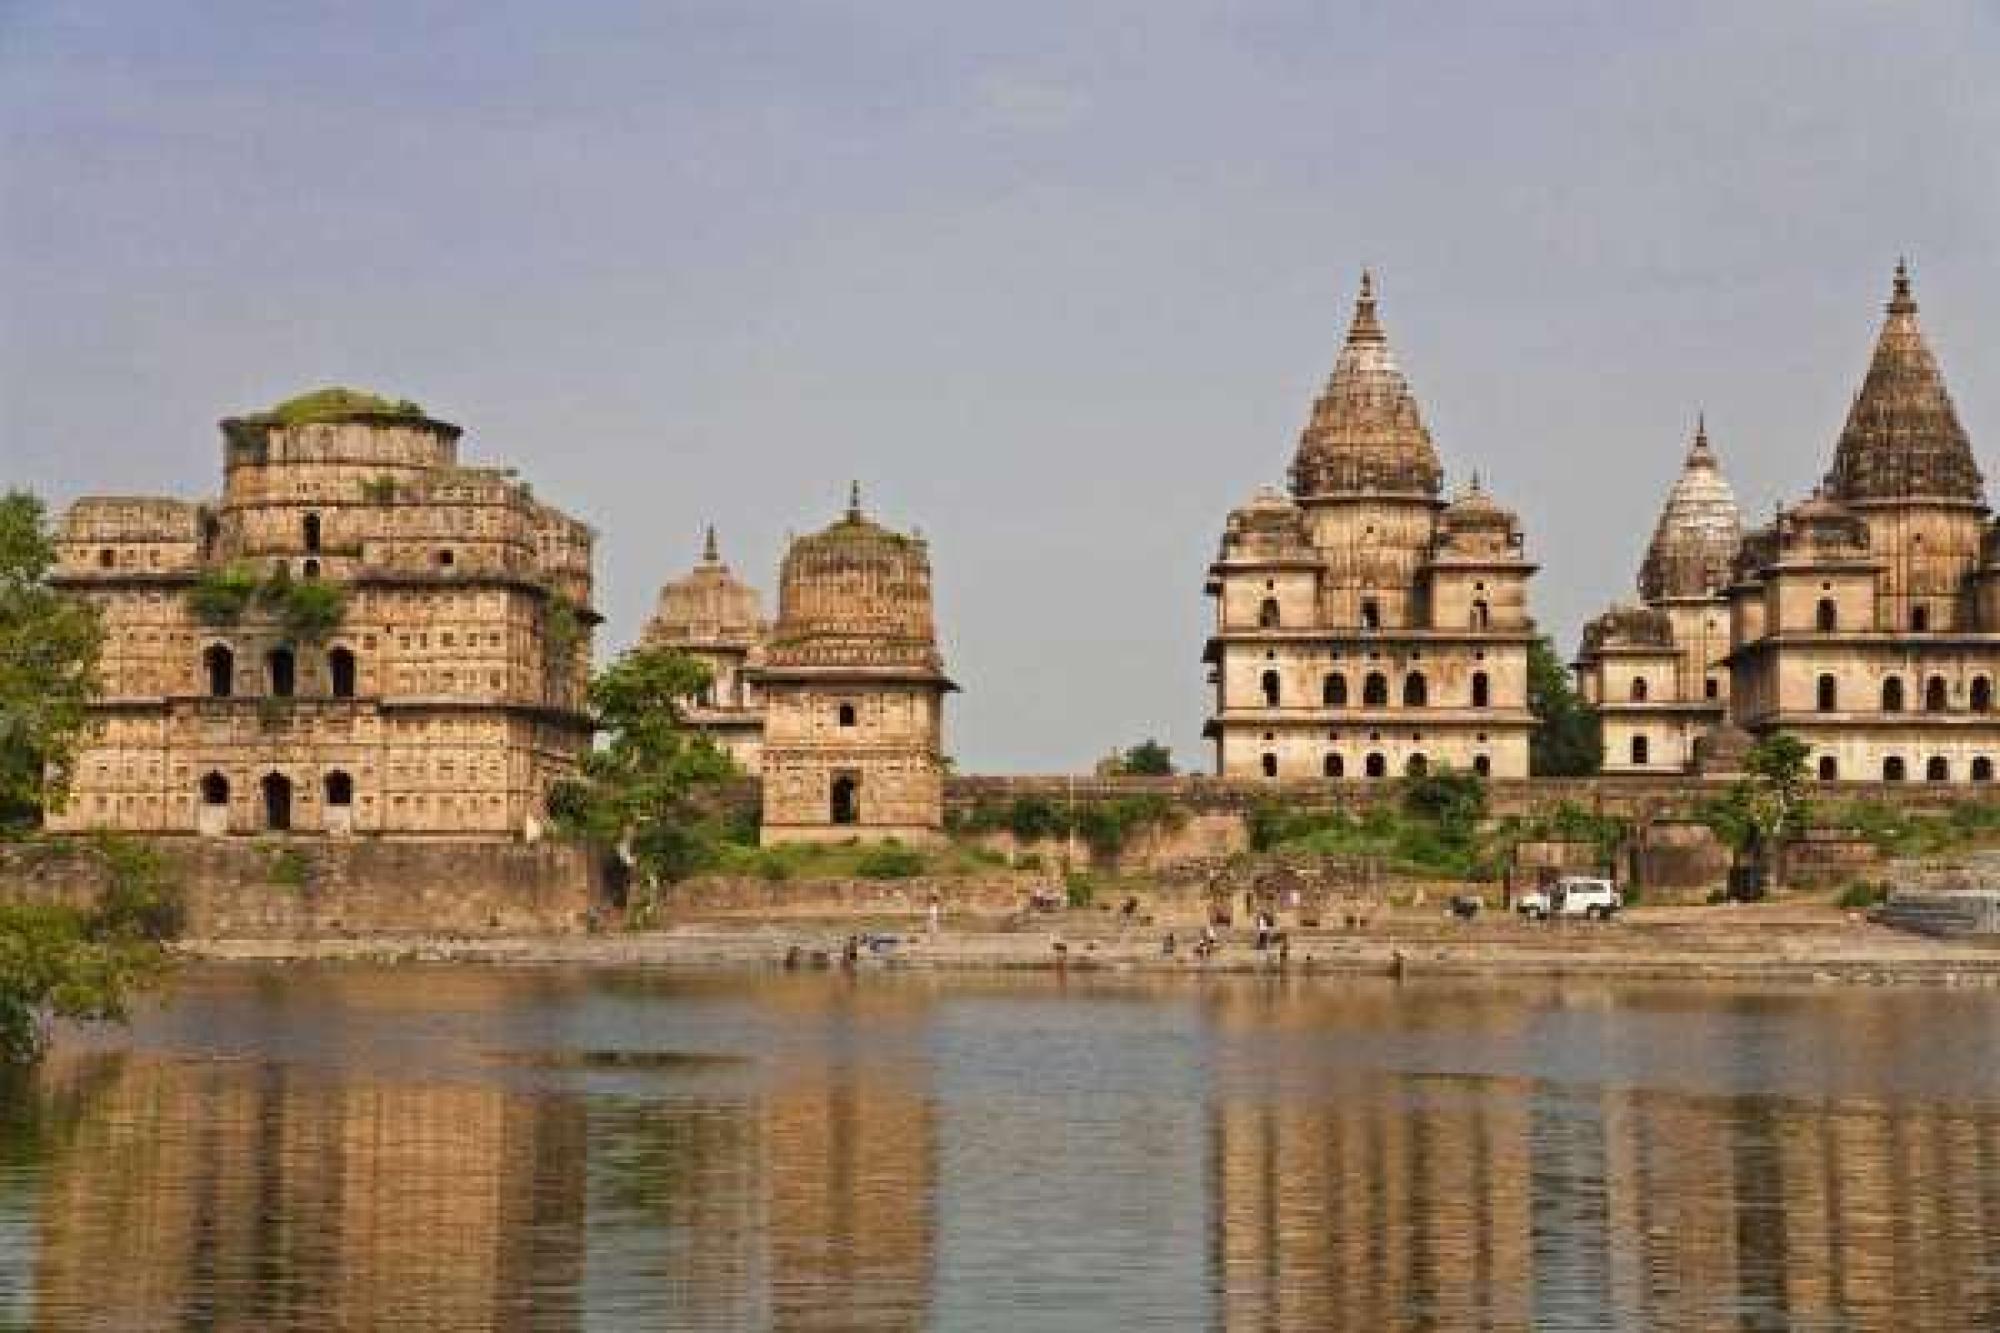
column 855, row 594
column 1366, row 435
column 1903, row 439
column 1475, row 511
column 1629, row 625
column 1699, row 530
column 708, row 605
column 1269, row 526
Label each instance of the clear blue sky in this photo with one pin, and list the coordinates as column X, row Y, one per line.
column 1056, row 281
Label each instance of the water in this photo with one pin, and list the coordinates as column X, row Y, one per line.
column 469, row 1149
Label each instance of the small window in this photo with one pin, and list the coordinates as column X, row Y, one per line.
column 311, row 533
column 1827, row 617
column 1638, row 689
column 339, row 788
column 1482, row 614
column 1267, row 614
column 1982, row 694
column 1415, row 690
column 1920, row 619
column 847, row 715
column 446, row 558
column 277, row 789
column 1416, row 766
column 1482, row 690
column 845, row 799
column 106, row 558
column 1377, row 766
column 311, row 569
column 1711, row 688
column 1375, row 691
column 214, row 789
column 1371, row 614
column 340, row 667
column 1334, row 692
column 1641, row 751
column 1482, row 766
column 280, row 673
column 1937, row 770
column 219, row 664
column 1333, row 766
column 1270, row 684
column 1829, row 694
column 1892, row 769
column 1829, row 768
column 1270, row 766
column 1982, row 769
column 1892, row 696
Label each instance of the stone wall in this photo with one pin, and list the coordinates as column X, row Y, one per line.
column 304, row 888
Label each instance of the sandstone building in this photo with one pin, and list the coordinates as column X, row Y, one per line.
column 1865, row 620
column 1364, row 626
column 362, row 635
column 714, row 617
column 1656, row 671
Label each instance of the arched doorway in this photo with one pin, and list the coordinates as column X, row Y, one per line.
column 277, row 789
column 1893, row 769
column 341, row 672
column 281, row 672
column 1377, row 766
column 212, row 818
column 219, row 665
column 1829, row 768
column 845, row 803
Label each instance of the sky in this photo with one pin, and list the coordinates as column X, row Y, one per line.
column 1055, row 280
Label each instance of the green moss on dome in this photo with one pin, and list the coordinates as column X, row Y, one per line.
column 337, row 404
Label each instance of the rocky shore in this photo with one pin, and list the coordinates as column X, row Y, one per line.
column 1801, row 944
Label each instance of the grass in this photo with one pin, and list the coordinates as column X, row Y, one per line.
column 1893, row 831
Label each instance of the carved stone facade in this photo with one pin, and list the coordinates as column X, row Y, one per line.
column 1657, row 671
column 853, row 690
column 1364, row 627
column 714, row 617
column 1865, row 620
column 443, row 702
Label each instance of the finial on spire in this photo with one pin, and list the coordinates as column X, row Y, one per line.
column 1900, row 300
column 708, row 551
column 1365, row 328
column 854, row 500
column 1474, row 488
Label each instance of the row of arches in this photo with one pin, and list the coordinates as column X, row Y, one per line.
column 218, row 664
column 1937, row 694
column 1376, row 765
column 274, row 792
column 1896, row 769
column 1826, row 618
column 1375, row 690
column 1479, row 616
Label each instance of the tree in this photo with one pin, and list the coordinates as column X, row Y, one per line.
column 1566, row 742
column 651, row 788
column 1148, row 758
column 1767, row 807
column 49, row 646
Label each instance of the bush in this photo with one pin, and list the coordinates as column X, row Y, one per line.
column 890, row 860
column 142, row 896
column 1860, row 896
column 221, row 596
column 1033, row 818
column 1079, row 889
column 309, row 611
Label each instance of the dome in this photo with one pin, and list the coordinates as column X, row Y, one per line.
column 855, row 594
column 1821, row 523
column 1475, row 511
column 708, row 605
column 1903, row 439
column 1699, row 530
column 1268, row 527
column 1630, row 625
column 1366, row 435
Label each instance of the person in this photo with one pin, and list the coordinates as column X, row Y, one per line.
column 1263, row 931
column 1167, row 945
column 937, row 913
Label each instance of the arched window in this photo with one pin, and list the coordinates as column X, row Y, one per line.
column 1482, row 615
column 1982, row 694
column 1892, row 695
column 1482, row 766
column 214, row 789
column 846, row 715
column 1982, row 769
column 1415, row 690
column 1711, row 688
column 1827, row 617
column 1270, row 683
column 277, row 790
column 1333, row 766
column 1829, row 694
column 340, row 668
column 1270, row 766
column 311, row 526
column 1829, row 768
column 211, row 532
column 1934, row 695
column 1371, row 614
column 106, row 558
column 1267, row 614
column 1377, row 766
column 1892, row 769
column 1641, row 749
column 220, row 666
column 1937, row 770
column 1920, row 619
column 846, row 799
column 1375, row 691
column 1638, row 689
column 310, row 569
column 1482, row 690
column 1334, row 692
column 280, row 672
column 1416, row 766
column 339, row 788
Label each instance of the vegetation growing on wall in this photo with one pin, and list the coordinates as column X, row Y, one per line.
column 49, row 647
column 1147, row 759
column 1894, row 831
column 1434, row 827
column 1106, row 827
column 307, row 610
column 1567, row 741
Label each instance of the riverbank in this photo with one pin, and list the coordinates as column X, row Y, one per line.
column 1805, row 944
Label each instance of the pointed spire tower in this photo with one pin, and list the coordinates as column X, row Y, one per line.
column 1699, row 530
column 1366, row 435
column 1903, row 440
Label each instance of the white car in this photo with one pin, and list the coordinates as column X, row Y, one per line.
column 1572, row 895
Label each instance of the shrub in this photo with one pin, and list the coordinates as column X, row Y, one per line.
column 142, row 895
column 1032, row 818
column 309, row 610
column 291, row 867
column 890, row 860
column 1079, row 889
column 221, row 596
column 1860, row 896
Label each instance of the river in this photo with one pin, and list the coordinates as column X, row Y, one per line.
column 466, row 1148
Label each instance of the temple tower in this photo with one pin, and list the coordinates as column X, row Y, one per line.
column 853, row 689
column 714, row 617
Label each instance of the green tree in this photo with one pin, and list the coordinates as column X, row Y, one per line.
column 1767, row 806
column 1148, row 758
column 49, row 645
column 1566, row 742
column 651, row 788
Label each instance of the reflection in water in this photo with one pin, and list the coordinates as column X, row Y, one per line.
column 405, row 1149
